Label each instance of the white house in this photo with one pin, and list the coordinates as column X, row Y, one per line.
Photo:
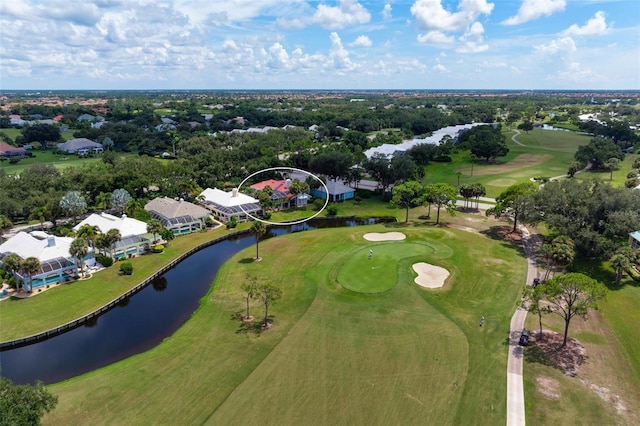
column 56, row 264
column 226, row 205
column 135, row 237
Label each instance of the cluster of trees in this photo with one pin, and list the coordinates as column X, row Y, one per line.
column 594, row 215
column 267, row 293
column 413, row 193
column 29, row 266
column 568, row 296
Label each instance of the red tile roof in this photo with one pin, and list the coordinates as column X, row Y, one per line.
column 276, row 185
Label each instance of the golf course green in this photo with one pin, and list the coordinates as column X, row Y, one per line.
column 390, row 353
column 378, row 272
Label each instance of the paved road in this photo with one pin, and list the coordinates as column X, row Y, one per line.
column 515, row 386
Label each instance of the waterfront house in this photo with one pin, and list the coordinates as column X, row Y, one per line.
column 227, row 205
column 56, row 264
column 181, row 217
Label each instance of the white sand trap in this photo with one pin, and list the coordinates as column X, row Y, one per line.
column 430, row 276
column 384, row 236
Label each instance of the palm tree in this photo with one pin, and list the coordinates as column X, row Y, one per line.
column 620, row 262
column 155, row 227
column 30, row 266
column 102, row 200
column 89, row 233
column 111, row 238
column 258, row 229
column 101, row 243
column 79, row 249
column 562, row 255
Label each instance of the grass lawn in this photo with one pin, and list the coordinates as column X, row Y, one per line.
column 333, row 355
column 547, row 153
column 48, row 157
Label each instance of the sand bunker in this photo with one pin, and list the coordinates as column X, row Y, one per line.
column 384, row 236
column 430, row 276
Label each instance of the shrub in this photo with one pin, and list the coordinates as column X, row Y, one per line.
column 332, row 210
column 126, row 268
column 232, row 223
column 209, row 222
column 318, row 203
column 266, row 215
column 632, row 174
column 158, row 248
column 105, row 261
column 357, row 199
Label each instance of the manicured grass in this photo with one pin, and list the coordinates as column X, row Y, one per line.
column 47, row 157
column 378, row 273
column 546, row 154
column 405, row 356
column 12, row 132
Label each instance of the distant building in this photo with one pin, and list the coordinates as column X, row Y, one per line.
column 80, row 146
column 337, row 191
column 10, row 151
column 634, row 240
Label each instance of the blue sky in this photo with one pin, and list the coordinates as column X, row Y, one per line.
column 297, row 44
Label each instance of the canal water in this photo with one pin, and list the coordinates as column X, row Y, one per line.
column 142, row 321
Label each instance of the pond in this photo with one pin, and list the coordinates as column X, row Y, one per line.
column 142, row 321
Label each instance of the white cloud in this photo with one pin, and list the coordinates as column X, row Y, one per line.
column 361, row 41
column 533, row 9
column 440, row 68
column 278, row 57
column 437, row 37
column 559, row 45
column 595, row 26
column 338, row 54
column 347, row 13
column 386, row 11
column 473, row 40
column 576, row 73
column 432, row 16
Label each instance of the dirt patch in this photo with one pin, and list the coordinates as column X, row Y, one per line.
column 548, row 387
column 567, row 359
column 606, row 395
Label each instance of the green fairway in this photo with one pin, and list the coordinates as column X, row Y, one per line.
column 363, row 273
column 546, row 154
column 50, row 158
column 332, row 356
